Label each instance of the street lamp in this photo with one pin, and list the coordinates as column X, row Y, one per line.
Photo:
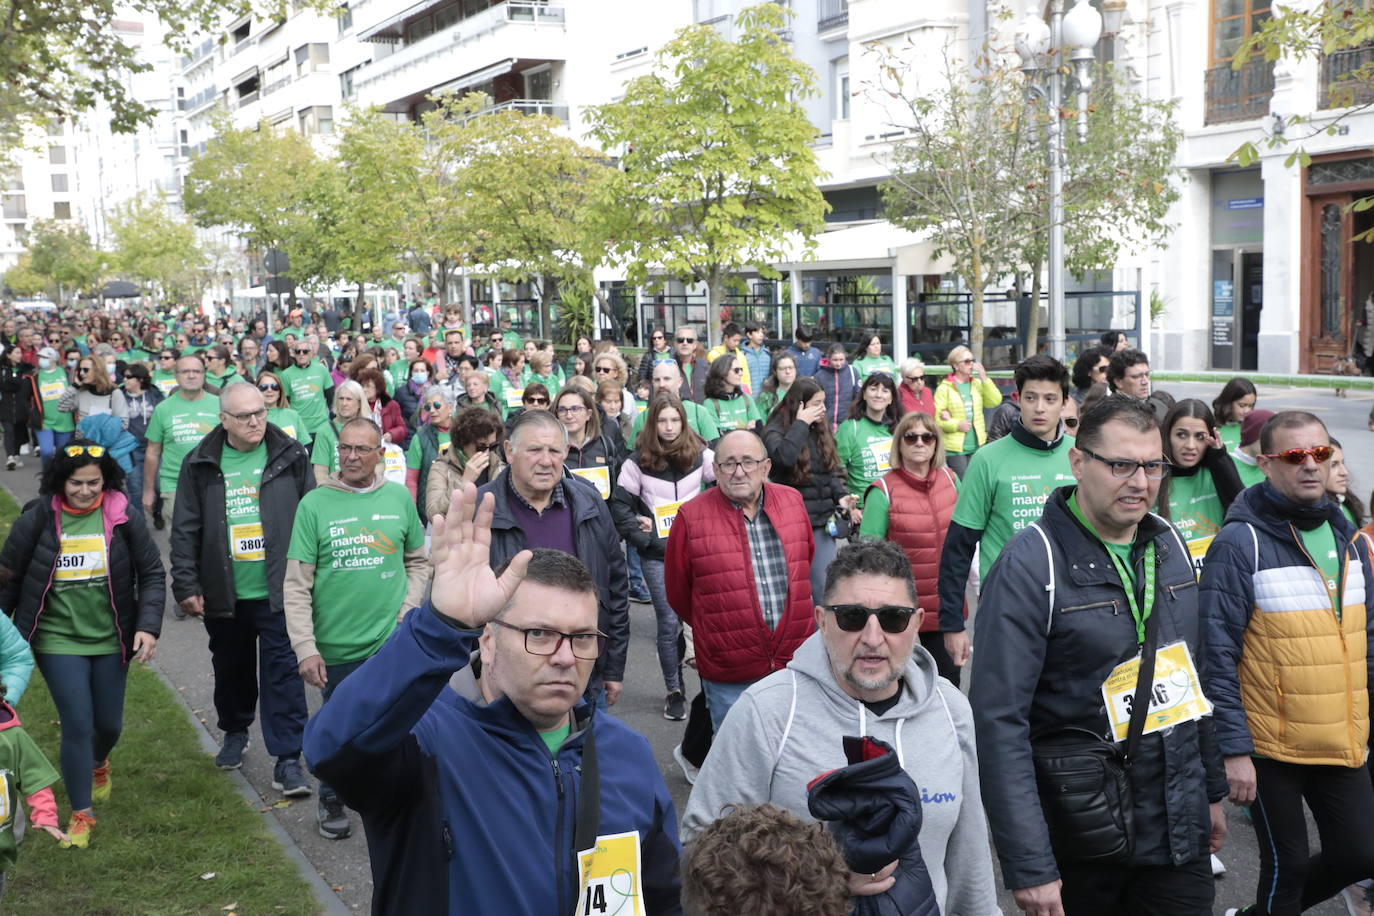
column 1039, row 44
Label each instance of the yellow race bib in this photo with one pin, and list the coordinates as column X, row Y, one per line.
column 51, row 391
column 608, row 875
column 597, row 477
column 664, row 515
column 882, row 454
column 1176, row 696
column 82, row 558
column 246, row 543
column 515, row 398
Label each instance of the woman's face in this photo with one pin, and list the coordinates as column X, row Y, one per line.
column 668, row 424
column 370, row 391
column 875, row 346
column 1188, row 439
column 133, row 384
column 573, row 413
column 734, row 377
column 412, row 349
column 584, row 345
column 83, row 487
column 530, row 349
column 918, row 446
column 439, row 411
column 1099, row 372
column 1339, row 480
column 346, row 405
column 816, row 400
column 271, row 391
column 838, row 359
column 787, row 373
column 658, row 340
column 612, row 407
column 85, row 371
column 876, row 398
column 1241, row 409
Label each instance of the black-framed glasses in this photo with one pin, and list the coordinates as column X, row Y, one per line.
column 913, row 378
column 165, row 356
column 359, row 450
column 301, row 352
column 83, row 370
column 1071, row 423
column 1121, row 467
column 686, row 339
column 1320, row 454
column 541, row 641
column 570, row 410
column 852, row 618
column 911, row 437
column 538, row 402
column 605, row 369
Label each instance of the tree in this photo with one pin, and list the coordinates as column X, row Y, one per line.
column 63, row 253
column 23, row 281
column 718, row 170
column 152, row 245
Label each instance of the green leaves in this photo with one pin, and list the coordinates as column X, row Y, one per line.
column 63, row 253
column 151, row 245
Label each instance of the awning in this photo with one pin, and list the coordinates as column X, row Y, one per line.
column 476, row 77
column 250, row 72
column 873, row 244
column 919, row 258
column 393, row 23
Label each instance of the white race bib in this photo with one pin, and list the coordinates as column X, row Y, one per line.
column 515, row 398
column 664, row 515
column 608, row 875
column 882, row 454
column 395, row 464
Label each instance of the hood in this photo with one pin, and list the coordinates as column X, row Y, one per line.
column 8, row 717
column 1267, row 509
column 102, row 429
column 918, row 684
column 332, row 482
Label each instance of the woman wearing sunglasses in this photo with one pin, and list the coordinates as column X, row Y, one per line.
column 534, row 396
column 726, row 400
column 430, row 441
column 473, row 456
column 279, row 411
column 911, row 505
column 959, row 404
column 83, row 580
column 92, row 392
column 1203, row 481
column 913, row 394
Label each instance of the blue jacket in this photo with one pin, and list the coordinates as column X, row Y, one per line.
column 841, row 386
column 808, row 361
column 465, row 809
column 16, row 661
column 107, row 430
column 759, row 361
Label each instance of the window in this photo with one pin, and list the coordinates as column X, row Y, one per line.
column 14, row 184
column 1233, row 21
column 57, row 155
column 12, row 207
column 346, row 82
column 345, row 15
column 539, row 83
column 317, row 120
column 419, row 30
column 447, row 16
column 240, row 33
column 841, row 83
column 183, row 136
column 59, row 182
column 21, row 237
column 54, row 127
column 311, row 57
column 61, row 210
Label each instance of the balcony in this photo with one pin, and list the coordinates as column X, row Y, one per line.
column 248, row 98
column 553, row 109
column 200, row 99
column 831, row 14
column 276, row 84
column 1345, row 81
column 197, row 53
column 1238, row 95
column 533, row 12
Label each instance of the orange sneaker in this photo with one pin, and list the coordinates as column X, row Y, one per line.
column 79, row 830
column 100, row 783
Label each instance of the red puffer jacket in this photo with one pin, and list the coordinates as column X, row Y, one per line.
column 710, row 582
column 918, row 514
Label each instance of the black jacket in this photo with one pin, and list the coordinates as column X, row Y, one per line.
column 1043, row 655
column 200, row 534
column 824, row 490
column 598, row 546
column 137, row 581
column 16, row 391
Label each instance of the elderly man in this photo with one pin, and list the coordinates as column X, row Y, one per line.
column 232, row 526
column 1076, row 607
column 863, row 672
column 356, row 564
column 178, row 424
column 309, row 386
column 539, row 505
column 668, row 377
column 738, row 572
column 449, row 837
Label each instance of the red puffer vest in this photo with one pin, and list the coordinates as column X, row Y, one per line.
column 918, row 514
column 710, row 583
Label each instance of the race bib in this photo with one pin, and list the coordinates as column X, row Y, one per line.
column 597, row 477
column 882, row 454
column 51, row 391
column 608, row 875
column 515, row 398
column 1198, row 550
column 395, row 464
column 82, row 558
column 246, row 543
column 664, row 515
column 166, row 385
column 290, row 431
column 1176, row 696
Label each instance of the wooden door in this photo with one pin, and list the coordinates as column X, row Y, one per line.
column 1327, row 315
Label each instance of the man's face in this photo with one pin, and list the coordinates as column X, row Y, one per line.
column 190, row 374
column 26, row 338
column 733, row 456
column 732, row 342
column 249, row 349
column 867, row 663
column 667, row 377
column 399, row 329
column 756, row 338
column 1303, row 483
column 1116, row 504
column 544, row 688
column 244, row 415
column 453, row 344
column 1041, row 404
column 1136, row 381
column 302, row 352
column 686, row 342
column 476, row 385
column 536, row 458
column 360, row 449
column 9, row 328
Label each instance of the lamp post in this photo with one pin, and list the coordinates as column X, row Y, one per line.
column 1040, row 45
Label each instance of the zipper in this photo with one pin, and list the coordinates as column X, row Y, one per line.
column 1283, row 719
column 1088, row 607
column 1173, row 589
column 558, row 859
column 448, row 841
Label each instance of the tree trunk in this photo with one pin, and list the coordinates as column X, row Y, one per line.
column 715, row 295
column 975, row 317
column 547, row 288
column 1033, row 322
column 359, row 304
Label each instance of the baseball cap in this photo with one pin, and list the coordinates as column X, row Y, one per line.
column 48, row 353
column 1252, row 424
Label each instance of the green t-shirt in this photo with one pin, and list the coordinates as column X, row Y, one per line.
column 865, row 450
column 179, row 425
column 391, row 343
column 699, row 419
column 305, row 389
column 1250, row 474
column 970, row 437
column 51, row 384
column 867, row 365
column 1005, row 488
column 77, row 618
column 554, row 739
column 1230, row 436
column 242, row 478
column 166, row 382
column 288, row 421
column 1195, row 508
column 357, row 543
column 325, row 451
column 24, row 770
column 398, row 373
column 222, row 381
column 1321, row 547
column 734, row 413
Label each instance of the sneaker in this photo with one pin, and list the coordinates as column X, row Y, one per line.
column 333, row 819
column 287, row 778
column 100, row 783
column 230, row 756
column 79, row 830
column 11, row 463
column 1218, row 867
column 641, row 597
column 675, row 707
column 689, row 771
column 1240, row 910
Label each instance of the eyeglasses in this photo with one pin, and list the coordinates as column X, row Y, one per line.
column 95, row 451
column 83, row 370
column 269, row 386
column 912, row 437
column 913, row 378
column 605, row 368
column 437, row 405
column 655, row 336
column 965, row 361
column 570, row 410
column 542, row 402
column 1071, row 422
column 359, row 450
column 1320, row 454
column 1120, row 467
column 165, row 356
column 854, row 617
column 686, row 340
column 299, row 352
column 249, row 417
column 538, row 641
column 750, row 465
column 736, row 369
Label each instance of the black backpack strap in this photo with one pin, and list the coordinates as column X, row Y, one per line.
column 589, row 797
column 1140, row 703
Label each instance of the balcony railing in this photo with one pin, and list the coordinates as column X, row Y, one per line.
column 275, row 85
column 197, row 53
column 197, row 100
column 1238, row 95
column 248, row 98
column 1343, row 85
column 558, row 110
column 831, row 14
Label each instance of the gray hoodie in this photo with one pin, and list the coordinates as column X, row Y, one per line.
column 786, row 729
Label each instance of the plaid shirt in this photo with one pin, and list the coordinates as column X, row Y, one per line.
column 769, row 562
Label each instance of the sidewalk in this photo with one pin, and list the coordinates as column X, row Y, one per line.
column 338, row 869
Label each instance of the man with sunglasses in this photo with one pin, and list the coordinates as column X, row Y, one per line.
column 1283, row 596
column 1067, row 612
column 694, row 369
column 863, row 672
column 309, row 386
column 239, row 491
column 1004, row 487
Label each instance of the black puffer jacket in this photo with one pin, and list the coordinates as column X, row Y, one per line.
column 823, row 491
column 16, row 391
column 874, row 812
column 137, row 580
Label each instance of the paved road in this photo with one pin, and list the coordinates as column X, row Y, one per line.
column 184, row 658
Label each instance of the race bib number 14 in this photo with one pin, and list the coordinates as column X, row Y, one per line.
column 609, row 877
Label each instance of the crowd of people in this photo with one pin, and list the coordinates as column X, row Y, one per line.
column 445, row 535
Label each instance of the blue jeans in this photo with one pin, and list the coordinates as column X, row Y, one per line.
column 88, row 691
column 133, row 484
column 634, row 568
column 49, row 442
column 334, row 675
column 720, row 696
column 668, row 626
column 249, row 649
column 826, row 548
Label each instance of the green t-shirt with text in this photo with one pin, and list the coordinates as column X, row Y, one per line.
column 865, row 450
column 305, row 389
column 51, row 384
column 77, row 618
column 733, row 413
column 1005, row 488
column 179, row 425
column 1321, row 547
column 242, row 480
column 325, row 451
column 357, row 543
column 164, row 381
column 867, row 365
column 1195, row 509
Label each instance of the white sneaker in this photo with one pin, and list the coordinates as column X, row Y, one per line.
column 24, row 449
column 1218, row 868
column 689, row 771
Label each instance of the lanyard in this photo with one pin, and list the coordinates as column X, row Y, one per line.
column 1125, row 575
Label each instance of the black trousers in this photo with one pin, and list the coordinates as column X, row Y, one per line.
column 1342, row 803
column 1146, row 890
column 255, row 638
column 934, row 642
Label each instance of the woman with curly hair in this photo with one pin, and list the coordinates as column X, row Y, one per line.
column 473, row 456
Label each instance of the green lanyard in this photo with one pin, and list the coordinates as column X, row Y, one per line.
column 1125, row 574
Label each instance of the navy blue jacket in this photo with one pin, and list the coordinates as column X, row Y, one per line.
column 465, row 809
column 808, row 360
